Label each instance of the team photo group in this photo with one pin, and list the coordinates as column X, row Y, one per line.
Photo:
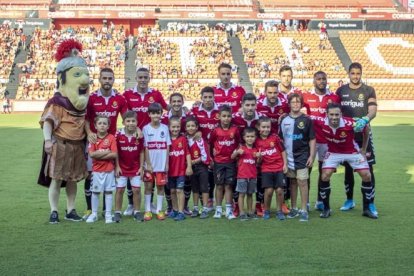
column 229, row 146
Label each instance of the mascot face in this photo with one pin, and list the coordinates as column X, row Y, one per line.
column 76, row 88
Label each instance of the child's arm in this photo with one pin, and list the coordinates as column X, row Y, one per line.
column 141, row 162
column 284, row 156
column 189, row 170
column 365, row 139
column 312, row 147
column 236, row 153
column 118, row 170
column 167, row 159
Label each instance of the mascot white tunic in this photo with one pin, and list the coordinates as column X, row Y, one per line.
column 63, row 122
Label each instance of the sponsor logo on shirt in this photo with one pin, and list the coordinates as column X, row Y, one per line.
column 177, row 153
column 97, row 104
column 336, row 141
column 107, row 113
column 129, row 148
column 208, row 125
column 352, row 103
column 140, row 109
column 269, row 152
column 226, row 143
column 157, row 145
column 249, row 161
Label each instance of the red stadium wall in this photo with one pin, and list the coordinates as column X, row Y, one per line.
column 128, row 24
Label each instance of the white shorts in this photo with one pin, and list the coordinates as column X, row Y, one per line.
column 121, row 182
column 103, row 182
column 321, row 150
column 355, row 160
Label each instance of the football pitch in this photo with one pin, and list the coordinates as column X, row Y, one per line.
column 345, row 244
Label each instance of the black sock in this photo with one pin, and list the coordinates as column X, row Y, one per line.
column 325, row 192
column 319, row 180
column 259, row 193
column 168, row 197
column 371, row 169
column 236, row 197
column 210, row 184
column 129, row 193
column 349, row 181
column 368, row 193
column 187, row 193
column 88, row 194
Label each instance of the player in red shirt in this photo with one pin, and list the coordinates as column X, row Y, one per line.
column 270, row 105
column 105, row 102
column 224, row 140
column 129, row 165
column 273, row 166
column 285, row 86
column 200, row 160
column 103, row 154
column 207, row 115
column 340, row 136
column 226, row 92
column 315, row 102
column 179, row 168
column 141, row 96
column 248, row 117
column 247, row 157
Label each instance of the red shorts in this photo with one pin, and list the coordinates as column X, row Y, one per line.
column 160, row 178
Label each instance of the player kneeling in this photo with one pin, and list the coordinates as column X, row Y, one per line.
column 339, row 133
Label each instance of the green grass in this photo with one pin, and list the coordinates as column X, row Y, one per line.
column 345, row 244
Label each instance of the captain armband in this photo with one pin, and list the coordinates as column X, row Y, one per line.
column 372, row 103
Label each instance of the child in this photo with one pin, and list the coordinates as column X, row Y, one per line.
column 157, row 142
column 180, row 166
column 298, row 135
column 200, row 160
column 246, row 172
column 274, row 164
column 129, row 164
column 103, row 154
column 224, row 140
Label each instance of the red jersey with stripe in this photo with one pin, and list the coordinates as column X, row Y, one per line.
column 207, row 120
column 246, row 164
column 232, row 96
column 140, row 102
column 102, row 144
column 224, row 142
column 239, row 121
column 271, row 149
column 199, row 149
column 177, row 160
column 106, row 106
column 165, row 119
column 340, row 140
column 273, row 112
column 284, row 96
column 129, row 151
column 316, row 107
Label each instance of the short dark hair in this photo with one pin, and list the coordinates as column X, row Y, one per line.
column 177, row 95
column 271, row 83
column 295, row 96
column 191, row 119
column 249, row 130
column 207, row 89
column 319, row 72
column 101, row 117
column 174, row 119
column 355, row 65
column 155, row 108
column 249, row 97
column 224, row 65
column 129, row 114
column 106, row 70
column 224, row 108
column 285, row 68
column 142, row 69
column 263, row 119
column 333, row 105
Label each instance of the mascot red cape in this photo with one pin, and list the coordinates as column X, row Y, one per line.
column 63, row 122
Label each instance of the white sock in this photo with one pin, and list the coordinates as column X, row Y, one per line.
column 160, row 198
column 95, row 203
column 228, row 208
column 108, row 204
column 148, row 203
column 219, row 208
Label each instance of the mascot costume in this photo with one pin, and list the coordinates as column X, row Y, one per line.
column 63, row 122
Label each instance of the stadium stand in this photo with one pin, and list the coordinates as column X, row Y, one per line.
column 9, row 44
column 102, row 48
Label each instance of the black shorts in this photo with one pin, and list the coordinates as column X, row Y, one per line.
column 273, row 180
column 199, row 179
column 225, row 173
